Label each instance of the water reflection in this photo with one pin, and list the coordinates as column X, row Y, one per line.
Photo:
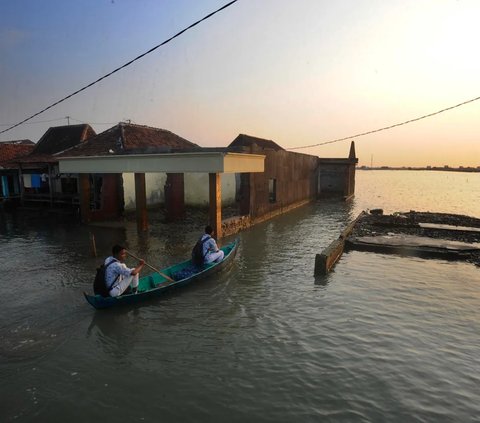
column 266, row 339
column 117, row 331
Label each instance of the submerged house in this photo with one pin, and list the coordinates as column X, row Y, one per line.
column 268, row 180
column 109, row 189
column 140, row 165
column 289, row 180
column 9, row 181
column 40, row 178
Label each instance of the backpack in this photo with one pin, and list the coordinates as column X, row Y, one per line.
column 100, row 282
column 197, row 252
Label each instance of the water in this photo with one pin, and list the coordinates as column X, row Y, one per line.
column 382, row 338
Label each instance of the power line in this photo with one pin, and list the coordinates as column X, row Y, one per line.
column 386, row 127
column 121, row 67
column 33, row 123
column 93, row 123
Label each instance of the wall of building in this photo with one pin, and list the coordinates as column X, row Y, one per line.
column 336, row 177
column 295, row 177
column 196, row 189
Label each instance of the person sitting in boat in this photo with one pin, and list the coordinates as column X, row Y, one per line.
column 118, row 276
column 211, row 252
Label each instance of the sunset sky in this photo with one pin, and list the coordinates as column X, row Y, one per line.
column 297, row 72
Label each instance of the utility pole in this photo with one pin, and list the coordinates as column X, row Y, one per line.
column 68, row 120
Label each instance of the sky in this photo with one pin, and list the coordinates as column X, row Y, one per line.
column 299, row 73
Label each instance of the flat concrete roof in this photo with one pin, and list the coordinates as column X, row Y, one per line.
column 198, row 162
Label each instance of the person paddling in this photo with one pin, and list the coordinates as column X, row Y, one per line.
column 118, row 276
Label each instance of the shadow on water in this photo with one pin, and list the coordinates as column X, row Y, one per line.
column 116, row 330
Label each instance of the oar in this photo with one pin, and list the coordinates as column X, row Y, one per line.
column 151, row 267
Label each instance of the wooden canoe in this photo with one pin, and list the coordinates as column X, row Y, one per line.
column 155, row 284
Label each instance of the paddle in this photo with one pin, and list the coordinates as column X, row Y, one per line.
column 151, row 267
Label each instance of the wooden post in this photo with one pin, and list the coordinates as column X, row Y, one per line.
column 141, row 202
column 84, row 181
column 215, row 197
column 94, row 246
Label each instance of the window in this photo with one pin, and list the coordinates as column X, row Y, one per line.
column 272, row 190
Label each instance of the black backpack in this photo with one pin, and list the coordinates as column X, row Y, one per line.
column 100, row 282
column 197, row 252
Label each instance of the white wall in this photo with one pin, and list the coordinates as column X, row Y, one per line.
column 154, row 182
column 196, row 189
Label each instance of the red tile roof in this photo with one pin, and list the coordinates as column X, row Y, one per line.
column 127, row 138
column 246, row 141
column 56, row 140
column 10, row 150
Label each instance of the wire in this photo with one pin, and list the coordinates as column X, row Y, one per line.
column 93, row 123
column 386, row 127
column 121, row 67
column 33, row 123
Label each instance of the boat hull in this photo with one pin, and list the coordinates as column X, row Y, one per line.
column 156, row 284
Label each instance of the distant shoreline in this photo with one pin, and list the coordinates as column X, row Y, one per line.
column 443, row 169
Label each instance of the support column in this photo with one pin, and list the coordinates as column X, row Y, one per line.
column 174, row 197
column 50, row 184
column 84, row 182
column 22, row 185
column 141, row 202
column 4, row 186
column 215, row 197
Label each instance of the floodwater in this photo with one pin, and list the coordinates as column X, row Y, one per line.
column 382, row 338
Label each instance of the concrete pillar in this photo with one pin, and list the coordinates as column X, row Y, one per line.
column 141, row 202
column 174, row 197
column 22, row 185
column 84, row 182
column 215, row 197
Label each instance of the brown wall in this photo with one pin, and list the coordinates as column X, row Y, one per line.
column 111, row 198
column 336, row 177
column 295, row 176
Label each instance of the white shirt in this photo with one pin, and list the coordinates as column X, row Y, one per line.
column 116, row 271
column 209, row 246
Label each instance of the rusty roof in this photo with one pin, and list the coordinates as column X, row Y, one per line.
column 128, row 138
column 10, row 150
column 243, row 140
column 56, row 140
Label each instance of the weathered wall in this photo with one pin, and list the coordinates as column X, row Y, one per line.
column 110, row 199
column 336, row 177
column 296, row 180
column 196, row 189
column 155, row 183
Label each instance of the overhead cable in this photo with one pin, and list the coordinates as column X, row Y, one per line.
column 386, row 127
column 121, row 67
column 33, row 123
